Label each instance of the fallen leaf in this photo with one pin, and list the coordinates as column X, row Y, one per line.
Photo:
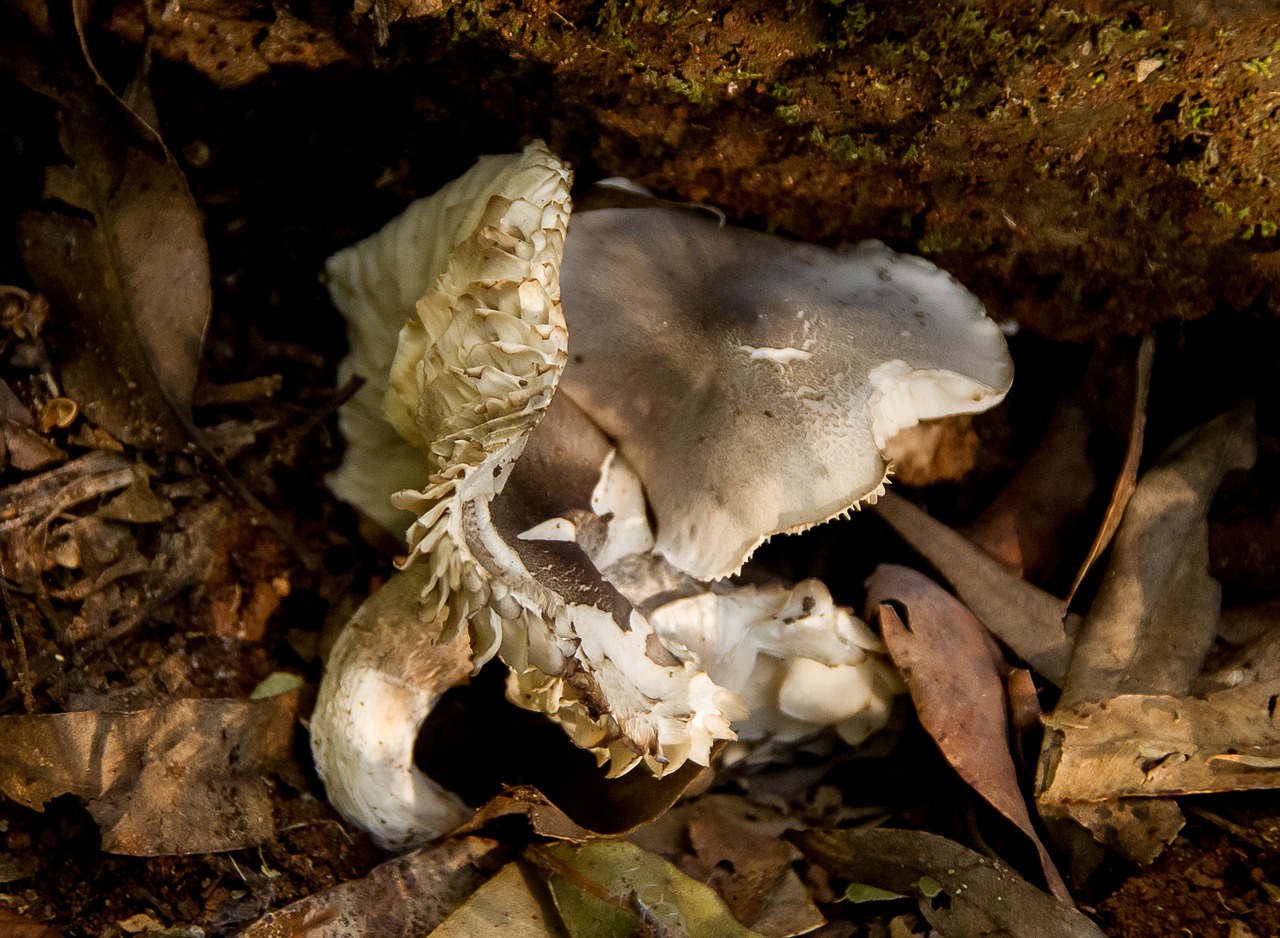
column 1256, row 660
column 1136, row 828
column 625, row 880
column 403, row 898
column 140, row 922
column 1127, row 478
column 1024, row 617
column 137, row 504
column 544, row 818
column 749, row 866
column 122, row 258
column 963, row 894
column 955, row 681
column 28, row 451
column 1240, row 625
column 186, row 777
column 511, row 905
column 1156, row 614
column 1022, row 526
column 1161, row 745
column 14, row 925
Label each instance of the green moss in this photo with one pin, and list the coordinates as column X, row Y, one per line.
column 695, row 91
column 936, row 242
column 1260, row 67
column 790, row 113
column 848, row 147
column 849, row 22
column 613, row 20
column 1195, row 115
column 737, row 74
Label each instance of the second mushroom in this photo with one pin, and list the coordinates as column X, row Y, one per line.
column 538, row 390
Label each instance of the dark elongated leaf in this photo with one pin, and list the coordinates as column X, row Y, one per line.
column 1024, row 617
column 1156, row 614
column 952, row 673
column 1127, row 480
column 403, row 898
column 963, row 894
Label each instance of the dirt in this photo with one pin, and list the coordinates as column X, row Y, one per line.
column 1090, row 170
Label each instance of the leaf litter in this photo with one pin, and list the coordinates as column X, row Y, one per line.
column 79, row 544
column 954, row 675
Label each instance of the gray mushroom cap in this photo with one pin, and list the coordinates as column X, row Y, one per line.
column 762, row 376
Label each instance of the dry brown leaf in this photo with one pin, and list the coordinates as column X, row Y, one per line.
column 1127, row 479
column 1154, row 620
column 956, row 683
column 1257, row 660
column 13, row 925
column 1243, row 624
column 511, row 905
column 403, row 898
column 1021, row 527
column 1136, row 828
column 1156, row 615
column 1149, row 745
column 545, row 818
column 1025, row 618
column 186, row 777
column 122, row 258
column 744, row 859
column 962, row 893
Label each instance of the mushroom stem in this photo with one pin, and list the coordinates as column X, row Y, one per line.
column 386, row 671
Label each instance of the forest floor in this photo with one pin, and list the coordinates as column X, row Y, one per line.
column 1094, row 172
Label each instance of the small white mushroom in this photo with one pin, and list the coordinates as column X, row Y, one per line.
column 748, row 384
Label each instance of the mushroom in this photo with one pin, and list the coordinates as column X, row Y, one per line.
column 735, row 385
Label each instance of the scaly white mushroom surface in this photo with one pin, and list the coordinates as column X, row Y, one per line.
column 748, row 384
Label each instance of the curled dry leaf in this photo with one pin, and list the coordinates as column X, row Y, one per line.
column 1144, row 745
column 1024, row 617
column 955, row 679
column 1127, row 479
column 963, row 894
column 403, row 898
column 121, row 255
column 1156, row 614
column 186, row 777
column 1154, row 620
